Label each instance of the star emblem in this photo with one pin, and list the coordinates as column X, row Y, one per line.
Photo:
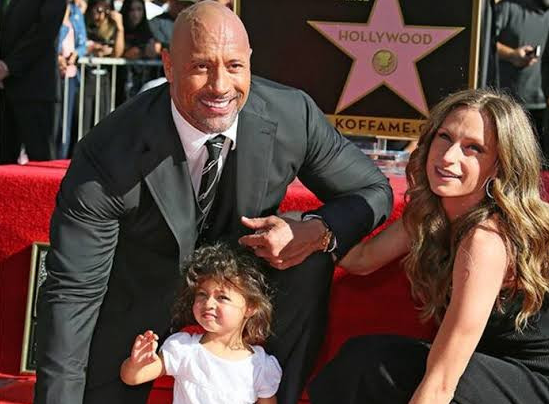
column 384, row 52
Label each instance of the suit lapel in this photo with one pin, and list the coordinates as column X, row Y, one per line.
column 255, row 137
column 166, row 173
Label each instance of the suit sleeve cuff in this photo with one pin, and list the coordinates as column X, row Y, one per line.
column 333, row 242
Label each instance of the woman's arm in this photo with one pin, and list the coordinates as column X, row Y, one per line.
column 144, row 364
column 119, row 43
column 366, row 257
column 479, row 270
column 80, row 35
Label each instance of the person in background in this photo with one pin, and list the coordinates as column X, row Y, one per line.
column 474, row 234
column 105, row 30
column 227, row 295
column 28, row 76
column 162, row 25
column 71, row 45
column 162, row 28
column 522, row 30
column 205, row 158
column 488, row 65
column 137, row 37
column 82, row 5
column 137, row 33
column 226, row 3
column 154, row 8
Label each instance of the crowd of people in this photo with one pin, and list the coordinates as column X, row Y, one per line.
column 35, row 63
column 516, row 40
column 183, row 230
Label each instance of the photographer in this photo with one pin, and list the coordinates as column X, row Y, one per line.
column 522, row 27
column 105, row 30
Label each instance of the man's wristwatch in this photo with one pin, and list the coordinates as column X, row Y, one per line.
column 329, row 242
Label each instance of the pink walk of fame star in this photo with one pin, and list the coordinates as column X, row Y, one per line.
column 384, row 51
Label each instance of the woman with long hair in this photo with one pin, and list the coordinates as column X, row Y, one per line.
column 475, row 240
column 137, row 33
column 105, row 30
column 139, row 44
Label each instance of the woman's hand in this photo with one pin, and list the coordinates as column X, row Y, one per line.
column 424, row 395
column 62, row 64
column 71, row 60
column 116, row 17
column 103, row 50
column 119, row 42
column 153, row 49
column 99, row 50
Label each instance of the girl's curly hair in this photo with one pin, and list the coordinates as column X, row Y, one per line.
column 237, row 268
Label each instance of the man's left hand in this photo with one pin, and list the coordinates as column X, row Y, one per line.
column 283, row 242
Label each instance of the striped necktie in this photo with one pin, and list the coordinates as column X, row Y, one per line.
column 210, row 179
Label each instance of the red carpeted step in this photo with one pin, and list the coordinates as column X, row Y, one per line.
column 16, row 390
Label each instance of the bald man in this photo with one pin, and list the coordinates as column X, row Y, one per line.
column 130, row 209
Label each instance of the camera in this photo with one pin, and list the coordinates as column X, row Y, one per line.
column 536, row 52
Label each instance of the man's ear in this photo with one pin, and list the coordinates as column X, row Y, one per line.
column 167, row 62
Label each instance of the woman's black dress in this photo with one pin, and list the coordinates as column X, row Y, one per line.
column 507, row 367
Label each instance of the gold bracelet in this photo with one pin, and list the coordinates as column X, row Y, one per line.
column 325, row 242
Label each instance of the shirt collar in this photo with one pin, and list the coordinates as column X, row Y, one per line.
column 192, row 139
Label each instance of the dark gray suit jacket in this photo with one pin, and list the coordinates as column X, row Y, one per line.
column 125, row 219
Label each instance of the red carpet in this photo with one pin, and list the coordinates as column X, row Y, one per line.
column 379, row 303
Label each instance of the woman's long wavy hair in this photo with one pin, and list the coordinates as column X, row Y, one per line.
column 137, row 35
column 236, row 268
column 522, row 216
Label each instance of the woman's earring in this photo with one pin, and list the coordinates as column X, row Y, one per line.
column 488, row 188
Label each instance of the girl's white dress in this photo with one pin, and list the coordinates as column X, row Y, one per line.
column 204, row 378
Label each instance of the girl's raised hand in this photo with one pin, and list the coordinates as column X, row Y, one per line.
column 144, row 348
column 143, row 364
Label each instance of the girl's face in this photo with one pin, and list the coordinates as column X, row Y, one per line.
column 220, row 308
column 135, row 13
column 462, row 157
column 99, row 13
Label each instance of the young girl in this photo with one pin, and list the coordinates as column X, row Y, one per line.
column 225, row 293
column 475, row 234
